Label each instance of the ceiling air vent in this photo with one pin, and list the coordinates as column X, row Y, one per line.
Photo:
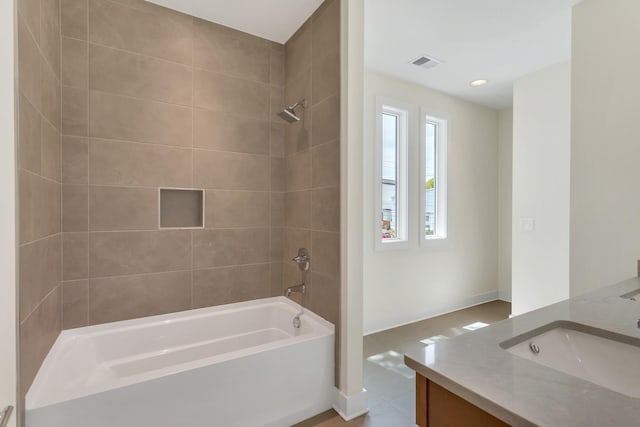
column 426, row 62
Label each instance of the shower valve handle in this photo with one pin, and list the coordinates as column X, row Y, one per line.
column 303, row 260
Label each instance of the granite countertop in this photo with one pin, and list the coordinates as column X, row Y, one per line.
column 524, row 393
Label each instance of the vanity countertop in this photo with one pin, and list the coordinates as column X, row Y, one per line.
column 524, row 393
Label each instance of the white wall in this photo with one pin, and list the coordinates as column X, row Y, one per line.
column 541, row 156
column 8, row 367
column 605, row 175
column 505, row 180
column 351, row 399
column 407, row 285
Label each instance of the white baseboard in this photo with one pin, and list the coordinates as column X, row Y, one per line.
column 504, row 295
column 406, row 318
column 350, row 407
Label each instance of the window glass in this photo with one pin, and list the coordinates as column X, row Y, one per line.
column 390, row 137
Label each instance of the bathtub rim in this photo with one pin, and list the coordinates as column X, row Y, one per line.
column 37, row 397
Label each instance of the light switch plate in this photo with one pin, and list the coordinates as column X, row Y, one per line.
column 527, row 224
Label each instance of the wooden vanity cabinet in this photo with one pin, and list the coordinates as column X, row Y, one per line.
column 438, row 407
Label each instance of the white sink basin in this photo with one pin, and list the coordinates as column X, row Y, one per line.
column 607, row 359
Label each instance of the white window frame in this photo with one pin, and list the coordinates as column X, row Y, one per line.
column 443, row 134
column 405, row 230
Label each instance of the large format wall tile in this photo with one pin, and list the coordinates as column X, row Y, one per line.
column 224, row 131
column 325, row 165
column 278, row 174
column 229, row 285
column 29, row 10
column 325, row 297
column 217, row 248
column 122, row 298
column 37, row 334
column 297, row 207
column 277, row 209
column 75, row 111
column 117, row 208
column 39, row 182
column 230, row 171
column 30, row 131
column 125, row 73
column 326, row 27
column 180, row 102
column 298, row 175
column 119, row 117
column 29, row 66
column 326, row 75
column 326, row 251
column 139, row 31
column 217, row 92
column 39, row 272
column 326, row 121
column 293, row 240
column 298, row 52
column 51, row 163
column 129, row 164
column 40, row 208
column 75, row 256
column 50, row 33
column 75, row 56
column 75, row 304
column 75, row 160
column 51, row 94
column 299, row 88
column 75, row 208
column 137, row 252
column 277, row 66
column 230, row 209
column 73, row 18
column 325, row 209
column 277, row 138
column 230, row 52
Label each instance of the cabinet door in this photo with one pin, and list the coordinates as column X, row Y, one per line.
column 438, row 407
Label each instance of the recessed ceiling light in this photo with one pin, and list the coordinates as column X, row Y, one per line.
column 479, row 82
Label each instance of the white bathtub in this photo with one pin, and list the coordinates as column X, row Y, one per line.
column 234, row 365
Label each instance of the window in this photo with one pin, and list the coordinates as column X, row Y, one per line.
column 392, row 175
column 433, row 201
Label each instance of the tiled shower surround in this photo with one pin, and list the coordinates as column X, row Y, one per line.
column 118, row 98
column 39, row 186
column 152, row 99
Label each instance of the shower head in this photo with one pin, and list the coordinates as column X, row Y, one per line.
column 289, row 114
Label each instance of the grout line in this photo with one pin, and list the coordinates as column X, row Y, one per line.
column 173, row 230
column 204, row 194
column 155, row 187
column 40, row 303
column 60, row 167
column 190, row 271
column 175, row 147
column 191, row 66
column 87, row 69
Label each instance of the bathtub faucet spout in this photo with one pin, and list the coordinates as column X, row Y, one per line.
column 300, row 289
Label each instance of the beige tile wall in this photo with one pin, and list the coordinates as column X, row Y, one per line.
column 154, row 98
column 312, row 162
column 312, row 159
column 120, row 97
column 39, row 183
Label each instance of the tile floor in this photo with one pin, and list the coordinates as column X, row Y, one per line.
column 390, row 385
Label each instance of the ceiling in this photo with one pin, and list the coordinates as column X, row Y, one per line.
column 274, row 20
column 497, row 40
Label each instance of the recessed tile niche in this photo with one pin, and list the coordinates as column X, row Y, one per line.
column 181, row 208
